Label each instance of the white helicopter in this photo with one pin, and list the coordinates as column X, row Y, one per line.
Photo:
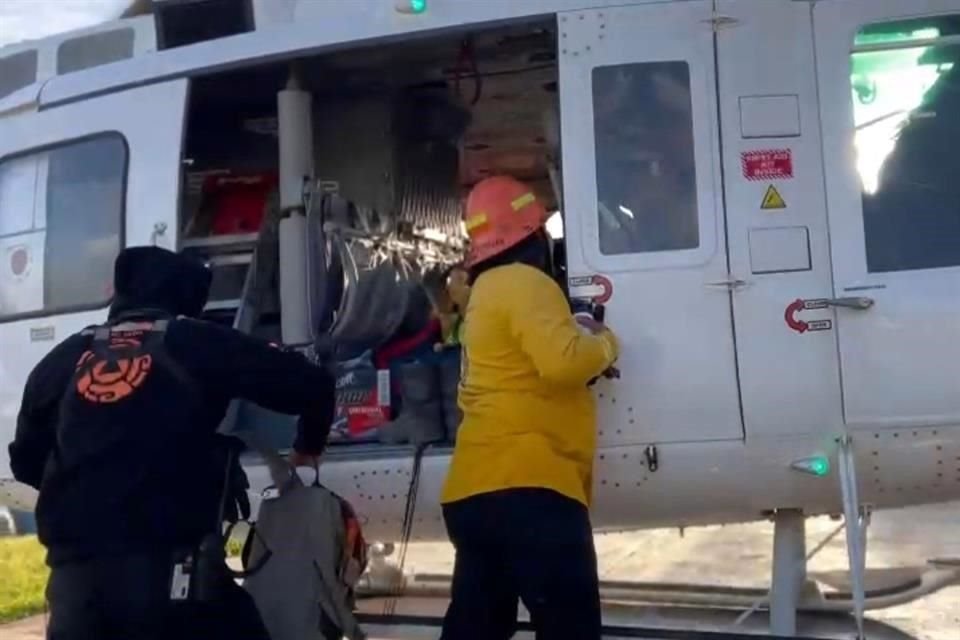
column 762, row 194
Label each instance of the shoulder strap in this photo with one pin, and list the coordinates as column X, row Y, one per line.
column 158, row 327
column 102, row 332
column 100, row 346
column 249, row 569
column 168, row 362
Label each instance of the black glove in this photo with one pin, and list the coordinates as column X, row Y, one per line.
column 312, row 434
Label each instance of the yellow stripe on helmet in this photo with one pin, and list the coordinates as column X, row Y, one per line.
column 522, row 201
column 474, row 221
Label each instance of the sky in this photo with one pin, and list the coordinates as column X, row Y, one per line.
column 30, row 19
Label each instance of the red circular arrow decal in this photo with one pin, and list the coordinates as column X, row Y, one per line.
column 607, row 287
column 790, row 316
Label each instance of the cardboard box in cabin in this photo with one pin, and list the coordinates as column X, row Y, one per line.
column 363, row 401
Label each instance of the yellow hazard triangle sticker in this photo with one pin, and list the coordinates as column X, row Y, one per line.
column 772, row 199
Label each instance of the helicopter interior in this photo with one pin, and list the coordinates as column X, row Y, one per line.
column 400, row 133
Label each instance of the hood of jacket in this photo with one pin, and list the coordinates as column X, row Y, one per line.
column 154, row 279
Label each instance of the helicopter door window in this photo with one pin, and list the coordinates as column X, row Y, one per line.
column 18, row 293
column 62, row 229
column 17, row 71
column 18, row 178
column 906, row 101
column 646, row 168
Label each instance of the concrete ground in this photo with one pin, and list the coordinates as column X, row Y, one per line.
column 31, row 629
column 740, row 556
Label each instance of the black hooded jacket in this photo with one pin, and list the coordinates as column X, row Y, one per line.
column 141, row 474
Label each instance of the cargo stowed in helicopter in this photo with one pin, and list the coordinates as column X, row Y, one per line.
column 761, row 193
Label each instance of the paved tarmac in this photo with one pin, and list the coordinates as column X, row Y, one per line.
column 740, row 556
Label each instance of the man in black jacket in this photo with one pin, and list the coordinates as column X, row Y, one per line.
column 117, row 430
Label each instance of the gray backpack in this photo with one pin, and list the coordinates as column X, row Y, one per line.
column 314, row 556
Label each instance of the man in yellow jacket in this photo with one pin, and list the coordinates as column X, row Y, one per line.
column 517, row 495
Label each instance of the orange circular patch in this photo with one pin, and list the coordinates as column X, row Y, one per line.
column 105, row 381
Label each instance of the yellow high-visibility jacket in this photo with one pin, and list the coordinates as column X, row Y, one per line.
column 529, row 420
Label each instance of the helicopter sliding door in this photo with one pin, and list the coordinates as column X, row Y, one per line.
column 645, row 216
column 889, row 74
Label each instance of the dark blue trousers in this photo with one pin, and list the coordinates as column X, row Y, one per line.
column 529, row 545
column 127, row 597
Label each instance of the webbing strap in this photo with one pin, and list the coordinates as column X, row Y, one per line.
column 406, row 531
column 103, row 332
column 261, row 562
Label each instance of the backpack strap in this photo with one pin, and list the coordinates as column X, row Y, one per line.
column 183, row 376
column 248, row 569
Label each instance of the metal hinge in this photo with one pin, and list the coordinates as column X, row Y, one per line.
column 653, row 458
column 718, row 22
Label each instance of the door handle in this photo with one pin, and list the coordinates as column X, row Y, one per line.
column 732, row 284
column 855, row 303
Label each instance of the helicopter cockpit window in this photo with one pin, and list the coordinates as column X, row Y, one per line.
column 905, row 81
column 646, row 170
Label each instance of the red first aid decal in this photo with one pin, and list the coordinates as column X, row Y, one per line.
column 768, row 164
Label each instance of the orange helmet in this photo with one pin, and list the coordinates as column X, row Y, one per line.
column 501, row 212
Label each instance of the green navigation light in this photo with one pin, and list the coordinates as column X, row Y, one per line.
column 815, row 465
column 410, row 6
column 820, row 466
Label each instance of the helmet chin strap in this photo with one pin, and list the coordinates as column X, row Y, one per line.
column 547, row 243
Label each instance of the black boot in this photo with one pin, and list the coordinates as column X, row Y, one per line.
column 421, row 415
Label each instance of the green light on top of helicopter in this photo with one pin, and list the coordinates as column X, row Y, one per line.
column 410, row 6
